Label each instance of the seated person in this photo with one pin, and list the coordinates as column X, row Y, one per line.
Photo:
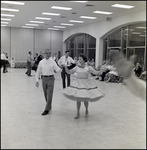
column 138, row 69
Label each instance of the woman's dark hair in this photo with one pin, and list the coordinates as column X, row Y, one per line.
column 83, row 56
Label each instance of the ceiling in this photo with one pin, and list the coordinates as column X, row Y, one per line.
column 32, row 9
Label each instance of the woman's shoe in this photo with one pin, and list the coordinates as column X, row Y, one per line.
column 77, row 116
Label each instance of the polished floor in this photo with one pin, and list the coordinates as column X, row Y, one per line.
column 118, row 121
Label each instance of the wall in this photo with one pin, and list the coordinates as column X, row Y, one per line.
column 101, row 28
column 17, row 42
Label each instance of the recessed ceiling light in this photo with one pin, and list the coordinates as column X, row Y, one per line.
column 5, row 19
column 6, row 9
column 53, row 29
column 122, row 6
column 53, row 14
column 103, row 12
column 36, row 21
column 43, row 18
column 76, row 21
column 7, row 15
column 59, row 27
column 27, row 27
column 141, row 27
column 62, row 8
column 32, row 24
column 5, row 22
column 87, row 17
column 67, row 24
column 80, row 1
column 12, row 2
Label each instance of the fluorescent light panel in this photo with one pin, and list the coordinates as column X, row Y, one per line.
column 3, row 25
column 67, row 24
column 7, row 15
column 12, row 2
column 62, row 8
column 76, row 21
column 59, row 27
column 36, row 21
column 136, row 33
column 122, row 6
column 5, row 19
column 141, row 27
column 5, row 22
column 52, row 14
column 27, row 27
column 32, row 24
column 87, row 17
column 103, row 12
column 6, row 9
column 43, row 18
column 80, row 1
column 53, row 29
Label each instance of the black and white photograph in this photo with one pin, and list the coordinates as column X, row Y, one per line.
column 73, row 74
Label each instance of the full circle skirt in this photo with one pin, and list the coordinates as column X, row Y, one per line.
column 83, row 90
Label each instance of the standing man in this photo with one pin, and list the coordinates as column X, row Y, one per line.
column 67, row 61
column 3, row 62
column 29, row 66
column 46, row 69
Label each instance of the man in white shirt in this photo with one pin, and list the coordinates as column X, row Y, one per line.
column 3, row 62
column 46, row 69
column 67, row 61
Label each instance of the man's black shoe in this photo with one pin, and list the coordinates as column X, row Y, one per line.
column 45, row 112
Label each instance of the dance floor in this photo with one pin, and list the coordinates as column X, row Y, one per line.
column 117, row 121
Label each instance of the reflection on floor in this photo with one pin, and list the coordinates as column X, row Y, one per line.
column 118, row 121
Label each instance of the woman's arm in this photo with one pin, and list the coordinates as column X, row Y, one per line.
column 72, row 71
column 93, row 71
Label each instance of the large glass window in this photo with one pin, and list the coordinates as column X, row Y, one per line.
column 82, row 43
column 130, row 39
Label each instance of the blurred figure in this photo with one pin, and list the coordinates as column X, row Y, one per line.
column 12, row 63
column 125, row 67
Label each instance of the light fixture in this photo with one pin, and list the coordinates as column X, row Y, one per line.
column 87, row 17
column 122, row 6
column 27, row 27
column 67, row 24
column 136, row 33
column 3, row 25
column 5, row 22
column 141, row 35
column 80, row 1
column 43, row 18
column 7, row 9
column 36, row 21
column 53, row 29
column 76, row 21
column 62, row 8
column 103, row 12
column 5, row 19
column 12, row 2
column 7, row 15
column 141, row 27
column 32, row 24
column 59, row 27
column 52, row 14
